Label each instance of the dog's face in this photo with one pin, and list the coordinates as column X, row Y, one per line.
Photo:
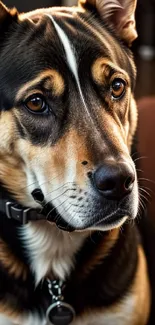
column 67, row 113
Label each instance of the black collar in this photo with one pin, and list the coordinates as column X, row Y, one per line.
column 21, row 214
column 15, row 211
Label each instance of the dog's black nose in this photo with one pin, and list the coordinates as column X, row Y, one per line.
column 114, row 180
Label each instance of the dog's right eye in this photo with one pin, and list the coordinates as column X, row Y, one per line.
column 117, row 88
column 36, row 103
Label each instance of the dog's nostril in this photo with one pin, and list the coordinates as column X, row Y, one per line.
column 129, row 182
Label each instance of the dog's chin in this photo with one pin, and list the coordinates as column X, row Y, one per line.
column 105, row 223
column 111, row 223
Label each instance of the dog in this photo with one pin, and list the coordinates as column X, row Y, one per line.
column 69, row 252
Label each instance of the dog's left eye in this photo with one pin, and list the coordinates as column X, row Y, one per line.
column 36, row 104
column 118, row 88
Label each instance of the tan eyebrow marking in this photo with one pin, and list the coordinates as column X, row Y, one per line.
column 101, row 69
column 54, row 82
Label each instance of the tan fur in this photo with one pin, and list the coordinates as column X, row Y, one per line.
column 11, row 313
column 103, row 250
column 132, row 118
column 53, row 82
column 14, row 179
column 7, row 132
column 101, row 70
column 133, row 309
column 5, row 12
column 57, row 158
column 11, row 263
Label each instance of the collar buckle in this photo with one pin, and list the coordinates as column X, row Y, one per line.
column 16, row 212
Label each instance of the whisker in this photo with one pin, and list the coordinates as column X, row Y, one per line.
column 57, row 197
column 144, row 197
column 90, row 236
column 41, row 184
column 139, row 170
column 143, row 205
column 131, row 222
column 135, row 153
column 146, row 179
column 148, row 189
column 58, row 216
column 61, row 194
column 55, row 208
column 141, row 208
column 62, row 186
column 146, row 192
column 139, row 158
column 72, row 217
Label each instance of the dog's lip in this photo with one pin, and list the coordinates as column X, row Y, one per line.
column 112, row 218
column 68, row 228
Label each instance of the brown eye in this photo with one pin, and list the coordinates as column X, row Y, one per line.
column 117, row 88
column 36, row 103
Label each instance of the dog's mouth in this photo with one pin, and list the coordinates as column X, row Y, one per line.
column 115, row 219
column 101, row 217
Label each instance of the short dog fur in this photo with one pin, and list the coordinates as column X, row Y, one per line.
column 67, row 113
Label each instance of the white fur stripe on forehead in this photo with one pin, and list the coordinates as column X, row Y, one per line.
column 67, row 47
column 71, row 59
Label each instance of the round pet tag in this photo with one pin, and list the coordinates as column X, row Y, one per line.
column 60, row 313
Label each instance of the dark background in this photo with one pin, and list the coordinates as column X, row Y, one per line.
column 144, row 48
column 28, row 5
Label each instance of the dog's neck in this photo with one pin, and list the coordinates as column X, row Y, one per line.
column 47, row 249
column 105, row 268
column 84, row 260
column 51, row 251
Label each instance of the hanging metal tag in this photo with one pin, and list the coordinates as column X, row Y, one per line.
column 59, row 312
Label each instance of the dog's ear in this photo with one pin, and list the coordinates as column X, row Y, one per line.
column 118, row 13
column 7, row 16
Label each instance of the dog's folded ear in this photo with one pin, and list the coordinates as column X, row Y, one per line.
column 7, row 16
column 118, row 13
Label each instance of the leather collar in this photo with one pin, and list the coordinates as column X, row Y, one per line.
column 15, row 211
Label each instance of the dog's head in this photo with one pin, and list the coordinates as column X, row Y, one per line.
column 67, row 112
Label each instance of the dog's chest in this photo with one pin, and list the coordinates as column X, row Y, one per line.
column 50, row 251
column 120, row 314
